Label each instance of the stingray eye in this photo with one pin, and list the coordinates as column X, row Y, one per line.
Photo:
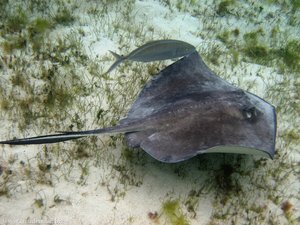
column 250, row 113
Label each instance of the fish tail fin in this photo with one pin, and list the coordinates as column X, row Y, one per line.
column 116, row 55
column 119, row 59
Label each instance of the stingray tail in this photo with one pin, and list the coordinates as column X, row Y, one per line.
column 119, row 59
column 63, row 136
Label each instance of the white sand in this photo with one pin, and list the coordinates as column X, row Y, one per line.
column 94, row 190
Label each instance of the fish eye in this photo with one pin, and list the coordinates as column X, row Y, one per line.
column 250, row 113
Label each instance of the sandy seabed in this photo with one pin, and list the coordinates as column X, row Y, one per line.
column 53, row 56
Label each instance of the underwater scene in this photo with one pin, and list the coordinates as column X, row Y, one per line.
column 150, row 112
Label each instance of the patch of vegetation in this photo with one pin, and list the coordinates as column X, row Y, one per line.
column 6, row 175
column 81, row 149
column 58, row 200
column 290, row 55
column 58, row 96
column 36, row 32
column 252, row 38
column 257, row 52
column 229, row 37
column 172, row 211
column 236, row 32
column 295, row 4
column 192, row 201
column 17, row 21
column 38, row 26
column 179, row 5
column 84, row 167
column 64, row 16
column 3, row 8
column 39, row 6
column 287, row 55
column 153, row 69
column 224, row 37
column 127, row 176
column 235, row 56
column 39, row 203
column 224, row 7
column 213, row 54
column 21, row 30
column 14, row 42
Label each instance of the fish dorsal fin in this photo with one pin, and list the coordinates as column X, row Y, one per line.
column 185, row 77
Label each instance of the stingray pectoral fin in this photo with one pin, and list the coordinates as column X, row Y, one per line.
column 239, row 150
column 171, row 147
column 166, row 148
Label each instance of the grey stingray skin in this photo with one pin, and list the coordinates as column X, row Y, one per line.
column 187, row 110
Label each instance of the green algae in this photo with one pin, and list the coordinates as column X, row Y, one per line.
column 16, row 21
column 290, row 55
column 172, row 211
column 252, row 38
column 254, row 49
column 258, row 53
column 39, row 26
column 295, row 4
column 224, row 7
column 64, row 17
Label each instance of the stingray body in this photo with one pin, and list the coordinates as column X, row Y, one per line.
column 187, row 110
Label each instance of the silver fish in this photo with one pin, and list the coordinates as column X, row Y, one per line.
column 155, row 50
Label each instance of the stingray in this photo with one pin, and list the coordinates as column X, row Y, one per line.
column 188, row 110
